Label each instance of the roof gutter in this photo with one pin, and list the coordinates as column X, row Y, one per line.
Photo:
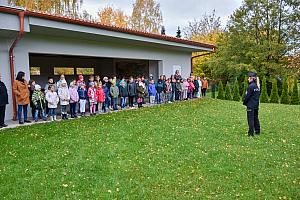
column 11, row 59
column 193, row 57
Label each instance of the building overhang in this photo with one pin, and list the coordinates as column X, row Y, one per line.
column 59, row 26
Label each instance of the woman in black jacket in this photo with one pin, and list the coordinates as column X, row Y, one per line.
column 251, row 100
column 3, row 103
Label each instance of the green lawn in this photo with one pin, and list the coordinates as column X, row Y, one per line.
column 190, row 150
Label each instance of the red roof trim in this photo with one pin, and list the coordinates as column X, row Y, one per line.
column 106, row 27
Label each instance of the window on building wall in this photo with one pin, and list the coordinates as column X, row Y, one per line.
column 63, row 70
column 35, row 71
column 85, row 71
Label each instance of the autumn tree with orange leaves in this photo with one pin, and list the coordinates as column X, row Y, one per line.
column 208, row 30
column 113, row 17
column 146, row 16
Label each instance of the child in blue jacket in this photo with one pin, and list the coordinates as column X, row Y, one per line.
column 159, row 90
column 152, row 91
column 82, row 93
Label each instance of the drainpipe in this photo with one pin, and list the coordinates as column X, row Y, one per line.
column 11, row 61
column 193, row 57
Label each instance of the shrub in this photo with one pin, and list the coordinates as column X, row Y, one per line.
column 264, row 97
column 220, row 91
column 295, row 95
column 236, row 91
column 228, row 95
column 285, row 98
column 274, row 97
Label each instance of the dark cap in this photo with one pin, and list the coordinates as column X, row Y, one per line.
column 252, row 74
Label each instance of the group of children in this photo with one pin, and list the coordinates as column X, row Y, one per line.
column 103, row 95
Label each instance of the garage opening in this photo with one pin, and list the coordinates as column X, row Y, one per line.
column 44, row 65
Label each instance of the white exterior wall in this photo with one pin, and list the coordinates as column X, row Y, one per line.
column 45, row 36
column 52, row 45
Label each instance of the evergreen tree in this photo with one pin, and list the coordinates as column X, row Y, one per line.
column 178, row 33
column 295, row 95
column 228, row 95
column 264, row 97
column 213, row 90
column 285, row 98
column 274, row 97
column 220, row 91
column 163, row 30
column 236, row 91
column 246, row 83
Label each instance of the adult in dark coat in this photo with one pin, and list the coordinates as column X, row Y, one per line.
column 251, row 100
column 3, row 103
column 196, row 90
column 131, row 86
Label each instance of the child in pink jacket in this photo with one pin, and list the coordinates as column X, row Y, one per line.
column 190, row 89
column 92, row 94
column 185, row 89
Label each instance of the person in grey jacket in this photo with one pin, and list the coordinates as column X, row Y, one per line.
column 114, row 92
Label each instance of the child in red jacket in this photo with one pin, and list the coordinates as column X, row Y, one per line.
column 100, row 97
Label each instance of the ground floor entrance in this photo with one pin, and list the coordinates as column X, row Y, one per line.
column 44, row 65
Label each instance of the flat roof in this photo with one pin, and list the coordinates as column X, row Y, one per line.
column 59, row 18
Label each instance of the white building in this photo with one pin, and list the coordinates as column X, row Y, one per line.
column 45, row 45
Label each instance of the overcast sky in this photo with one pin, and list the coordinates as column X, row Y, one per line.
column 175, row 12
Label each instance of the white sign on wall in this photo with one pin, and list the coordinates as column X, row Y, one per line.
column 177, row 67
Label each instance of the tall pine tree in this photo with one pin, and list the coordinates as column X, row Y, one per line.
column 285, row 98
column 264, row 97
column 274, row 97
column 178, row 33
column 228, row 95
column 295, row 95
column 220, row 91
column 236, row 91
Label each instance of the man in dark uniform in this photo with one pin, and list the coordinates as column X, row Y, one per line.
column 251, row 100
column 3, row 102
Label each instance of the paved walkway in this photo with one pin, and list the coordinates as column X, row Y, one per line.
column 14, row 124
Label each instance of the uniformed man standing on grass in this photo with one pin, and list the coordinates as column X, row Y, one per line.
column 251, row 100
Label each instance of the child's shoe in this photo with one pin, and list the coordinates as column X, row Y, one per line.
column 51, row 118
column 54, row 118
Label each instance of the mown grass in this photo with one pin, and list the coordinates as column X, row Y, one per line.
column 189, row 150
